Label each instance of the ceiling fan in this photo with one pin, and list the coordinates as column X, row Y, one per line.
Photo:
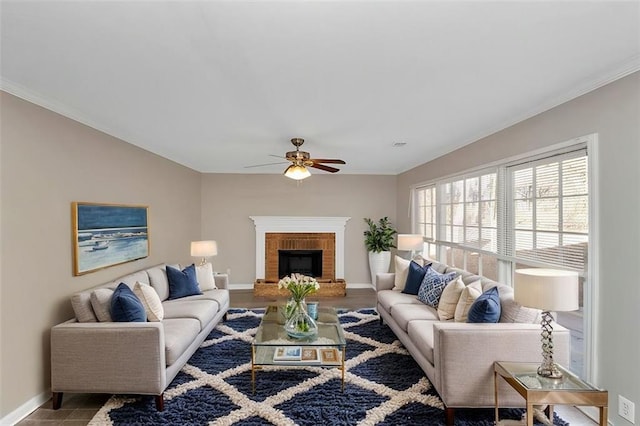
column 300, row 160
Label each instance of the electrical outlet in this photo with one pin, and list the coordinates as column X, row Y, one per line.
column 626, row 409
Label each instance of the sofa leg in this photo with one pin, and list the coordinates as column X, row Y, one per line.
column 160, row 402
column 224, row 318
column 381, row 320
column 57, row 400
column 448, row 416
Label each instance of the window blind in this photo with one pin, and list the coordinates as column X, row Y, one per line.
column 547, row 216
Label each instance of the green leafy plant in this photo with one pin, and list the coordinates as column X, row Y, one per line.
column 379, row 236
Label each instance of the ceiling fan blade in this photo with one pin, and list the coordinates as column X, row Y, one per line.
column 325, row 168
column 330, row 161
column 277, row 156
column 266, row 164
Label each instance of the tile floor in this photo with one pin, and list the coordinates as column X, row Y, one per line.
column 79, row 409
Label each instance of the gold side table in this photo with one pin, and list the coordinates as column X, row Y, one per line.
column 537, row 390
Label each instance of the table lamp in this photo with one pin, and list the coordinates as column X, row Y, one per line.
column 549, row 290
column 204, row 249
column 410, row 242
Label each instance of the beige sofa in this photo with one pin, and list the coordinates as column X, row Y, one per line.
column 458, row 357
column 88, row 356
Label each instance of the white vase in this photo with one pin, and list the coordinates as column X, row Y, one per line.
column 378, row 263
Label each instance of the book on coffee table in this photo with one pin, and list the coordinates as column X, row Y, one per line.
column 330, row 356
column 293, row 354
column 288, row 353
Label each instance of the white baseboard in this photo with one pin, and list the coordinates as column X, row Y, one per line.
column 25, row 409
column 241, row 286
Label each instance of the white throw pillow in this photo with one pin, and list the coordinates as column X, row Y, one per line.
column 449, row 299
column 402, row 270
column 467, row 297
column 101, row 303
column 204, row 276
column 150, row 300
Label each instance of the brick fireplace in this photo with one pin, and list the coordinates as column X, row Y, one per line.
column 300, row 237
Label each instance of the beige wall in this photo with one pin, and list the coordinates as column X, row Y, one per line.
column 613, row 112
column 47, row 162
column 229, row 199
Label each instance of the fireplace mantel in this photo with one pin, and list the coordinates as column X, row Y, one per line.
column 265, row 224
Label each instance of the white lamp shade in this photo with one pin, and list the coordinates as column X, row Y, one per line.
column 410, row 242
column 547, row 289
column 204, row 248
column 297, row 172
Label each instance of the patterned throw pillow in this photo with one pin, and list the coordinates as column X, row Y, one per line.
column 432, row 286
column 150, row 300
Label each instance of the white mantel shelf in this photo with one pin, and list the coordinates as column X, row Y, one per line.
column 265, row 224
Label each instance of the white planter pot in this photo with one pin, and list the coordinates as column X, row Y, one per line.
column 378, row 263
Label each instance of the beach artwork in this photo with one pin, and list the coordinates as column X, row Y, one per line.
column 108, row 234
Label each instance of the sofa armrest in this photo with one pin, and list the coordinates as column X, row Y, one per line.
column 221, row 280
column 385, row 281
column 465, row 353
column 108, row 357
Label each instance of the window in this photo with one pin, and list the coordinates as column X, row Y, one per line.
column 550, row 212
column 531, row 212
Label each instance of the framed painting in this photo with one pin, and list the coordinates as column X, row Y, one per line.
column 108, row 234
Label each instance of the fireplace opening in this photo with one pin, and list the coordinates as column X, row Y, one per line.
column 306, row 262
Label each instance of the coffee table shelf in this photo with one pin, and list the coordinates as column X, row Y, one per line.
column 271, row 334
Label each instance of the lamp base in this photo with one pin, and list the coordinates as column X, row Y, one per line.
column 549, row 371
column 548, row 368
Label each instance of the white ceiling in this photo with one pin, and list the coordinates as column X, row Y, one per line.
column 220, row 85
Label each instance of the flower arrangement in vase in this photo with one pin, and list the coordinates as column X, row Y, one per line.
column 298, row 322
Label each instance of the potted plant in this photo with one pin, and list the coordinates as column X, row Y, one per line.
column 379, row 240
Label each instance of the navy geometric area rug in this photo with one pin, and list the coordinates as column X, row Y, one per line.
column 383, row 385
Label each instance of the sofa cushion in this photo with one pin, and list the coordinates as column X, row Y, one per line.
column 101, row 303
column 81, row 304
column 389, row 298
column 404, row 314
column 512, row 311
column 131, row 279
column 182, row 283
column 468, row 296
column 158, row 280
column 150, row 301
column 432, row 286
column 421, row 334
column 202, row 310
column 414, row 277
column 486, row 307
column 204, row 276
column 125, row 305
column 179, row 333
column 449, row 299
column 221, row 297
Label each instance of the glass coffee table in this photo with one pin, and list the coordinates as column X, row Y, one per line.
column 536, row 390
column 271, row 344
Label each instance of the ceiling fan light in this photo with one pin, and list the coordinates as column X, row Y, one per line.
column 297, row 172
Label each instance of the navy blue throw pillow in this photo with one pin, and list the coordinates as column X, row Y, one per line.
column 182, row 283
column 414, row 277
column 125, row 306
column 486, row 308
